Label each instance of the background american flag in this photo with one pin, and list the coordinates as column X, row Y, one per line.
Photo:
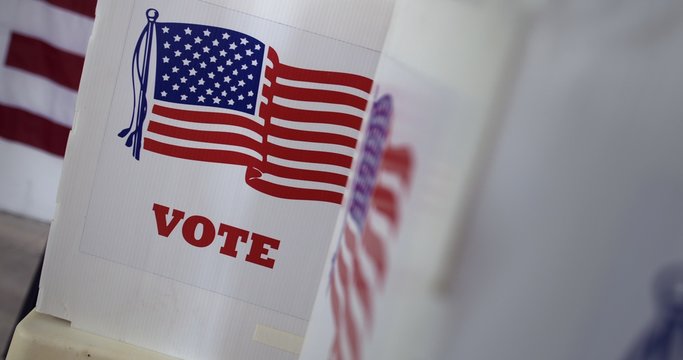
column 42, row 48
column 41, row 71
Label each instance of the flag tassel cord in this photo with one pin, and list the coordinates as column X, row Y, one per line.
column 134, row 138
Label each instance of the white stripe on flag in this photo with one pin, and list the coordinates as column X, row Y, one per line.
column 29, row 180
column 37, row 95
column 200, row 108
column 205, row 127
column 303, row 184
column 308, row 166
column 337, row 292
column 366, row 267
column 390, row 180
column 60, row 28
column 323, row 86
column 234, row 129
column 352, row 309
column 318, row 106
column 310, row 145
column 378, row 222
column 200, row 145
column 327, row 128
column 4, row 41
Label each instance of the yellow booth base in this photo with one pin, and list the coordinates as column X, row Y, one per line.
column 41, row 336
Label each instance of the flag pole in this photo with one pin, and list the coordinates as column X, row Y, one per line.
column 152, row 16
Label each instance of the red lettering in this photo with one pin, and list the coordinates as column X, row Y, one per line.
column 232, row 236
column 190, row 231
column 201, row 232
column 165, row 228
column 258, row 250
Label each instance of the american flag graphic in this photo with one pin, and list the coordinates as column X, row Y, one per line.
column 223, row 96
column 41, row 70
column 371, row 224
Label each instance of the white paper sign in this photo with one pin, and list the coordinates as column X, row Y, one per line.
column 218, row 144
column 381, row 297
column 393, row 187
column 203, row 144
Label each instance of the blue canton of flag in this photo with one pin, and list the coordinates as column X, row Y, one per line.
column 206, row 65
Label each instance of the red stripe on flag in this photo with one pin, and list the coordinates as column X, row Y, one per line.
column 336, row 349
column 359, row 280
column 375, row 249
column 205, row 117
column 305, row 174
column 337, row 316
column 316, row 95
column 227, row 138
column 317, row 76
column 236, row 158
column 400, row 161
column 311, row 136
column 311, row 116
column 384, row 200
column 351, row 332
column 41, row 58
column 289, row 192
column 207, row 155
column 336, row 310
column 216, row 137
column 19, row 125
column 83, row 7
column 310, row 156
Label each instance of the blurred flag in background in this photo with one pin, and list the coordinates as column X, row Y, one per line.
column 42, row 48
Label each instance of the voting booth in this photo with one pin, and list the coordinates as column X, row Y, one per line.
column 253, row 180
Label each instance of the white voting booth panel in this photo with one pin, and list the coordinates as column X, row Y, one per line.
column 205, row 171
column 382, row 297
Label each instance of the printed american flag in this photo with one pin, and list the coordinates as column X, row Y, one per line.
column 41, row 70
column 223, row 96
column 361, row 261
